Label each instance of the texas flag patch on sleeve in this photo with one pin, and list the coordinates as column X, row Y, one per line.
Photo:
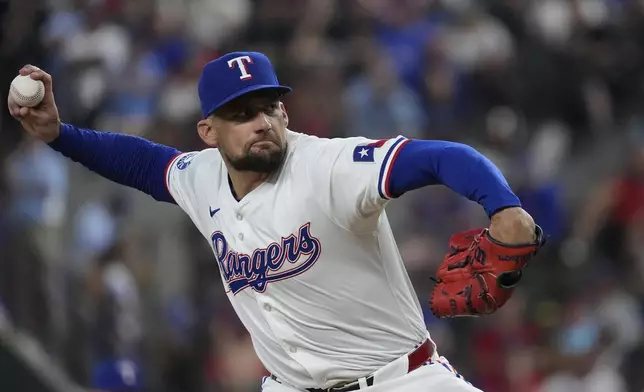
column 365, row 152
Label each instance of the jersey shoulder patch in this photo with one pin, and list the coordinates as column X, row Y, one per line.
column 365, row 152
column 184, row 160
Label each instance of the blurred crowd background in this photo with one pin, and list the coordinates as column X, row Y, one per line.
column 123, row 293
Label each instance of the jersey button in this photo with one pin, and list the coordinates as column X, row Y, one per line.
column 241, row 236
column 293, row 349
column 239, row 217
column 267, row 307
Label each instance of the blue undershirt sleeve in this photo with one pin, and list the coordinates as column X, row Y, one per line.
column 455, row 165
column 127, row 160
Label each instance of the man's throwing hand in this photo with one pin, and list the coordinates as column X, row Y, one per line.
column 41, row 121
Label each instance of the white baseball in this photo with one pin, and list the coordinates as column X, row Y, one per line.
column 26, row 92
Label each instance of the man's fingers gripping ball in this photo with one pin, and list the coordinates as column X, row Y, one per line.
column 479, row 273
column 26, row 92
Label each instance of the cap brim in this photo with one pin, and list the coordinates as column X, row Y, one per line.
column 280, row 89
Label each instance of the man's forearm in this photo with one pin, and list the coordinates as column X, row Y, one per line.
column 127, row 160
column 457, row 166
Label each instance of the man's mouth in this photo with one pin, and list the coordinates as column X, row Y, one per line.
column 263, row 144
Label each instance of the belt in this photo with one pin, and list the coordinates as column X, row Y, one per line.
column 416, row 358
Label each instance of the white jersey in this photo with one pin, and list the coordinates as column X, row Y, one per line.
column 308, row 259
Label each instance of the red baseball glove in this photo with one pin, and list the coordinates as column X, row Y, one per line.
column 480, row 273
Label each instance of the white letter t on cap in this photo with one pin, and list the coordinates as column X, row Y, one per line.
column 242, row 66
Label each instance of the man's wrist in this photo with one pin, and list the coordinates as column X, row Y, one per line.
column 56, row 136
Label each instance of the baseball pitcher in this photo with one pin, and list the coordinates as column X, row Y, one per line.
column 298, row 228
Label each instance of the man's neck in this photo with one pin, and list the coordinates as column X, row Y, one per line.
column 243, row 183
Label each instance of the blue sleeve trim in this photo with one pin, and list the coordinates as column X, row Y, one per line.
column 385, row 168
column 460, row 167
column 127, row 160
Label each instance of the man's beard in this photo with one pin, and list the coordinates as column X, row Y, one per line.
column 259, row 163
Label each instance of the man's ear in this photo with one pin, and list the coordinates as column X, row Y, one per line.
column 284, row 114
column 207, row 132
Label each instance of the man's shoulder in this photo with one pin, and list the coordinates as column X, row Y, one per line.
column 312, row 146
column 189, row 173
column 194, row 167
column 194, row 159
column 319, row 151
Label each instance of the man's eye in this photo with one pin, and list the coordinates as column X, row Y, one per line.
column 243, row 115
column 271, row 108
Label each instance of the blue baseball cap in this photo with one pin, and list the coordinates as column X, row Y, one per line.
column 233, row 75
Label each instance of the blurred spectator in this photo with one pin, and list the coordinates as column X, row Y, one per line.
column 612, row 209
column 378, row 106
column 95, row 232
column 94, row 56
column 444, row 90
column 114, row 309
column 538, row 188
column 505, row 353
column 38, row 179
column 579, row 364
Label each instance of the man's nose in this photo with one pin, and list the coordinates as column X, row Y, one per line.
column 262, row 123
